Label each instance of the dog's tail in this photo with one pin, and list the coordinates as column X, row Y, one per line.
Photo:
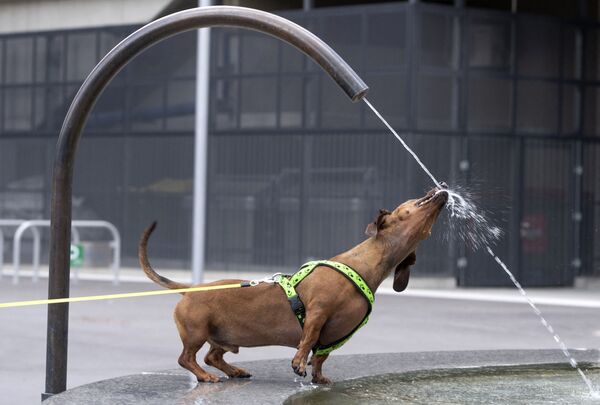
column 145, row 264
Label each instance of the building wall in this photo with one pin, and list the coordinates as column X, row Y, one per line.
column 491, row 100
column 502, row 104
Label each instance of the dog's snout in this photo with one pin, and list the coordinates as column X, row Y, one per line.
column 443, row 195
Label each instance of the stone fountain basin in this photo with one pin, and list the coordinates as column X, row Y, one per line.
column 273, row 380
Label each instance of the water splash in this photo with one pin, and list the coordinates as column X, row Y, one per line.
column 468, row 222
column 474, row 228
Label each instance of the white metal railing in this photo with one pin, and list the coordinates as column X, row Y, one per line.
column 6, row 223
column 13, row 223
column 34, row 224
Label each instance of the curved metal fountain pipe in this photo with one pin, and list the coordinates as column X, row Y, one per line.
column 85, row 99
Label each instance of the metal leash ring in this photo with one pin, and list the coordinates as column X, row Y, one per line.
column 270, row 280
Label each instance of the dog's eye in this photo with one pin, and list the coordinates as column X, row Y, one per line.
column 407, row 212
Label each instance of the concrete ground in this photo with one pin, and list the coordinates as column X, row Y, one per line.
column 119, row 337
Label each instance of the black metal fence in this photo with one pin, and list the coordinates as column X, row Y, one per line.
column 503, row 104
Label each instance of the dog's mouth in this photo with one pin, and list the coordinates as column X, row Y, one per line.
column 436, row 195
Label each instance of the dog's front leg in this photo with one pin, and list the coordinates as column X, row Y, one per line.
column 310, row 336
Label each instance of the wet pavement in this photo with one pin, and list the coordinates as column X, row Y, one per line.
column 130, row 336
column 272, row 383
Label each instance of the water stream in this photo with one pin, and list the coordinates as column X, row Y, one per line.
column 479, row 233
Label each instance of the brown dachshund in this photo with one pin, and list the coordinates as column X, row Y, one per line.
column 261, row 315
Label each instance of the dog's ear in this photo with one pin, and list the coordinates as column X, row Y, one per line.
column 402, row 273
column 377, row 225
column 410, row 260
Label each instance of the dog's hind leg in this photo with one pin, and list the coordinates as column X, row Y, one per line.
column 192, row 342
column 214, row 358
column 187, row 360
column 316, row 361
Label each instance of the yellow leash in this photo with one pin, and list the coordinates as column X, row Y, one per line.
column 123, row 295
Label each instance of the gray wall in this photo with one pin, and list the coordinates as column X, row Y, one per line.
column 502, row 104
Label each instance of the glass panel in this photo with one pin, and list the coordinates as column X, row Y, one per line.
column 181, row 103
column 40, row 119
column 258, row 103
column 492, row 163
column 435, row 101
column 537, row 107
column 571, row 106
column 343, row 33
column 486, row 112
column 591, row 110
column 148, row 177
column 336, row 111
column 537, row 48
column 259, row 53
column 147, row 108
column 590, row 236
column 19, row 60
column 254, row 205
column 17, row 109
column 572, row 48
column 489, row 44
column 388, row 95
column 81, row 55
column 546, row 223
column 109, row 112
column 386, row 40
column 436, row 35
column 225, row 56
column 1, row 62
column 41, row 52
column 291, row 102
column 58, row 103
column 56, row 58
column 292, row 60
column 592, row 54
column 108, row 40
column 311, row 101
column 173, row 57
column 224, row 98
column 183, row 48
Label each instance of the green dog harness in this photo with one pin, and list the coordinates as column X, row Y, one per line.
column 289, row 284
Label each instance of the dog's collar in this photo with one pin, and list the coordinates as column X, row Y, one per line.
column 288, row 284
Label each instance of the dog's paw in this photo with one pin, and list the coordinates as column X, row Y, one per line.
column 240, row 373
column 209, row 378
column 321, row 380
column 299, row 369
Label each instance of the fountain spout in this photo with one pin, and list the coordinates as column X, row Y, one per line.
column 96, row 82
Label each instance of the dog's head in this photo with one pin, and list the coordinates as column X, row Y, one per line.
column 406, row 226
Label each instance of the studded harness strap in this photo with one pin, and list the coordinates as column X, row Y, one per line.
column 289, row 283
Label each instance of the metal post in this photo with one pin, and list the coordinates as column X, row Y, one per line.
column 201, row 151
column 75, row 120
